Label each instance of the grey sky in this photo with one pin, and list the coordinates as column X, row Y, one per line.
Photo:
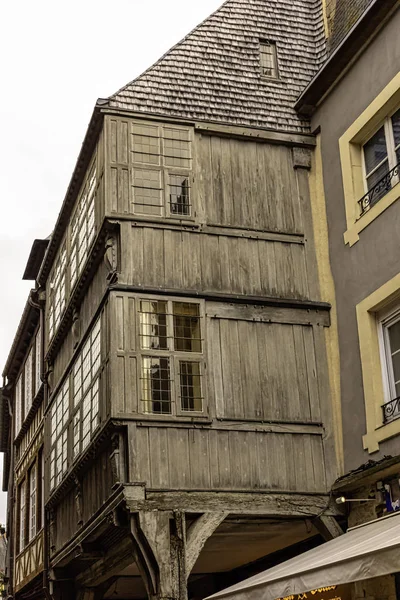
column 56, row 60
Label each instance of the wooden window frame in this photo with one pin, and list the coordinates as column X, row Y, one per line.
column 83, row 223
column 22, row 513
column 164, row 168
column 24, row 517
column 58, row 290
column 274, row 59
column 18, row 404
column 75, row 407
column 174, row 357
column 32, row 499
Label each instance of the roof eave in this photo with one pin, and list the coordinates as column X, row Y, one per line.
column 344, row 56
column 30, row 316
column 84, row 156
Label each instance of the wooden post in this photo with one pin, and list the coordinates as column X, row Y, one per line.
column 166, row 552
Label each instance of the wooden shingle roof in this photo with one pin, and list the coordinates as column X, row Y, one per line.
column 213, row 74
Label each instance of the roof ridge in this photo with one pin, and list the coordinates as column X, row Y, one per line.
column 171, row 49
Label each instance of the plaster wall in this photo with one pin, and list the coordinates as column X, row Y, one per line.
column 374, row 259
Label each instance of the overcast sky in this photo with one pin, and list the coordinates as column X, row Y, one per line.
column 56, row 60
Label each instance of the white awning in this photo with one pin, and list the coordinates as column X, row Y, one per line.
column 370, row 550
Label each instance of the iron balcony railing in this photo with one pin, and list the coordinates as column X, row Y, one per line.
column 391, row 410
column 381, row 188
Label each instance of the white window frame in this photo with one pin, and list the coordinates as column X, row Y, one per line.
column 390, row 148
column 385, row 320
column 174, row 357
column 38, row 347
column 28, row 383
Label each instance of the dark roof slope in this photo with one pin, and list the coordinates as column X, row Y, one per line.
column 213, row 74
column 342, row 15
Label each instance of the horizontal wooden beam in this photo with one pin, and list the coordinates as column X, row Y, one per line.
column 281, row 505
column 268, row 314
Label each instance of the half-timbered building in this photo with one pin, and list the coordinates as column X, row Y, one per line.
column 189, row 425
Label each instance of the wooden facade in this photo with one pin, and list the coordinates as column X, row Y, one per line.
column 186, row 402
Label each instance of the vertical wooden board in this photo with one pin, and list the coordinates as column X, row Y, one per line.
column 290, row 194
column 286, row 278
column 249, row 369
column 312, row 376
column 214, row 368
column 238, row 458
column 251, row 182
column 122, row 149
column 153, row 245
column 178, row 457
column 226, row 214
column 210, row 264
column 214, row 459
column 276, row 461
column 263, row 460
column 302, row 483
column 114, row 189
column 252, row 453
column 231, row 371
column 113, row 140
column 260, row 207
column 191, row 261
column 204, row 178
column 173, row 259
column 269, row 171
column 235, row 276
column 319, row 463
column 130, row 323
column 119, row 321
column 244, row 267
column 254, row 258
column 123, row 200
column 290, row 391
column 270, row 375
column 217, row 178
column 202, row 188
column 199, row 459
column 160, row 448
column 264, row 370
column 135, row 256
column 240, row 215
column 298, row 260
column 141, row 470
column 224, row 257
column 300, row 409
column 309, row 464
column 118, row 385
column 290, row 461
column 224, row 463
column 131, row 401
column 268, row 276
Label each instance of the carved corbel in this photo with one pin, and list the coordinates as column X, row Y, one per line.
column 111, row 257
column 78, row 501
column 76, row 328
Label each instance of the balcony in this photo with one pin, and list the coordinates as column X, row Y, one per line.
column 391, row 410
column 380, row 189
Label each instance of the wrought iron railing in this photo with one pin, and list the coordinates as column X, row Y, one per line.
column 383, row 186
column 391, row 410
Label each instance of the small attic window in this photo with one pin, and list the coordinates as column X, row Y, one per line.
column 268, row 59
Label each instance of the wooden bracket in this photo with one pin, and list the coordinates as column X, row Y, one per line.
column 328, row 527
column 198, row 534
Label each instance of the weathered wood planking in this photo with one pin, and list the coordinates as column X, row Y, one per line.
column 237, row 183
column 187, row 458
column 95, row 488
column 262, row 371
column 175, row 259
column 260, row 361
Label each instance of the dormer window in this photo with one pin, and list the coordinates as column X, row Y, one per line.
column 268, row 59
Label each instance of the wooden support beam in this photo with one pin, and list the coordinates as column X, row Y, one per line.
column 328, row 527
column 280, row 505
column 198, row 534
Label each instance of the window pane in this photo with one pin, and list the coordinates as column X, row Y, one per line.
column 156, row 385
column 375, row 150
column 394, row 337
column 179, row 195
column 383, row 187
column 32, row 503
column 177, row 148
column 190, row 386
column 396, row 127
column 268, row 60
column 147, row 197
column 153, row 325
column 187, row 335
column 22, row 511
